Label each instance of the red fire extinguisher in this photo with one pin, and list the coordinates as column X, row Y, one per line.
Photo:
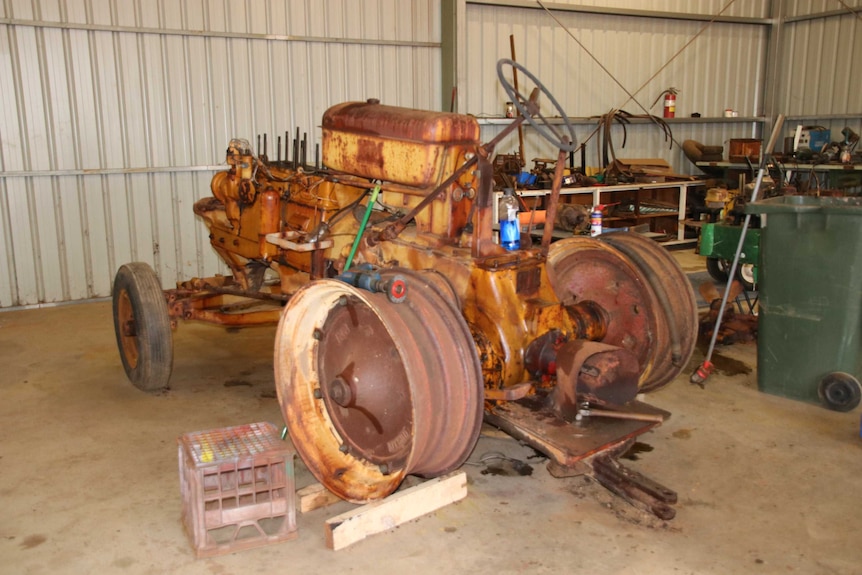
column 669, row 102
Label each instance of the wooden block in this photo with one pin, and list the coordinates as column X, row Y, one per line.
column 314, row 497
column 379, row 516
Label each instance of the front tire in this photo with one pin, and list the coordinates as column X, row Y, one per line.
column 143, row 327
column 719, row 269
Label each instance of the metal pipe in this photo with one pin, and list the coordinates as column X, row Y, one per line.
column 702, row 373
column 213, row 34
column 362, row 226
column 579, row 8
column 551, row 214
column 111, row 171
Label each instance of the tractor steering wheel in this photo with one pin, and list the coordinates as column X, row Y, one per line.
column 530, row 109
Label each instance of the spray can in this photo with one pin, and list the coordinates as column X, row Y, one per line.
column 510, row 229
column 596, row 220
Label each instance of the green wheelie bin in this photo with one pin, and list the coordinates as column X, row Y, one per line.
column 810, row 308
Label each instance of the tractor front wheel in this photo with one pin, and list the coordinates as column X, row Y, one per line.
column 143, row 327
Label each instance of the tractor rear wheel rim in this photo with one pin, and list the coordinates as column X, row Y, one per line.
column 364, row 385
column 675, row 296
column 588, row 269
column 373, row 391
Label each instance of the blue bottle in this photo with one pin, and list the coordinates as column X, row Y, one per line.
column 510, row 230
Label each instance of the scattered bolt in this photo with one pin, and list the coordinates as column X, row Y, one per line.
column 318, row 394
column 317, row 334
column 384, row 469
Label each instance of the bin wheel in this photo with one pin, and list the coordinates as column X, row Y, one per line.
column 840, row 391
column 143, row 327
column 719, row 269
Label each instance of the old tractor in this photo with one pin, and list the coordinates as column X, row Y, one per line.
column 402, row 323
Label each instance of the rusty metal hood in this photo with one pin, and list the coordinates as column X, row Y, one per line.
column 390, row 122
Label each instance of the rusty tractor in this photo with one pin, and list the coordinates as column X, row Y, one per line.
column 402, row 323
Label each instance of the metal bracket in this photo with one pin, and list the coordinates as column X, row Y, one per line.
column 637, row 489
column 589, row 446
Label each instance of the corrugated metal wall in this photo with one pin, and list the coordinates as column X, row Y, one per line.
column 821, row 66
column 723, row 68
column 794, row 8
column 735, row 8
column 818, row 67
column 114, row 113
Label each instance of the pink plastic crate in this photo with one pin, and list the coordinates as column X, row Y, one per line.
column 238, row 488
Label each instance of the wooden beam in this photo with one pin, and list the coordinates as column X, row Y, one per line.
column 314, row 497
column 354, row 526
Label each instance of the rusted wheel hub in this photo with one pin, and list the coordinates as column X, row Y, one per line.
column 586, row 269
column 675, row 298
column 373, row 390
column 647, row 299
column 128, row 332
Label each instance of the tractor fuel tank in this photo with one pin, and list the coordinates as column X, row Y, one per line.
column 407, row 147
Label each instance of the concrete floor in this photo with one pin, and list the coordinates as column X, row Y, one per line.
column 89, row 484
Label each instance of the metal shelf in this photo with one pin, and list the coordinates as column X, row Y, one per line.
column 597, row 191
column 815, row 117
column 500, row 121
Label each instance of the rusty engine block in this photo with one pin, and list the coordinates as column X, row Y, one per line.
column 402, row 323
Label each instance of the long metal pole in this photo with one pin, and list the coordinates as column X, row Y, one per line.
column 705, row 369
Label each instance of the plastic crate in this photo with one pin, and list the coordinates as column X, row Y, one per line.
column 238, row 488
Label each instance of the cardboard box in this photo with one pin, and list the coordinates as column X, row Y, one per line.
column 742, row 148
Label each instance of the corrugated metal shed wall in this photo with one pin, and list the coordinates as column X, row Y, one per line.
column 737, row 8
column 115, row 111
column 794, row 8
column 723, row 68
column 821, row 66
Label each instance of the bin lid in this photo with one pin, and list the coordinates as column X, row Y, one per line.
column 851, row 205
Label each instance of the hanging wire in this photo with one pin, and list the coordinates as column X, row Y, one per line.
column 850, row 9
column 678, row 52
column 631, row 96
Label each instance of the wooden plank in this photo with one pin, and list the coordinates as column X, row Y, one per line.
column 354, row 526
column 314, row 497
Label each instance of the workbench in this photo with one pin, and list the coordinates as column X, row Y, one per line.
column 832, row 169
column 604, row 195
